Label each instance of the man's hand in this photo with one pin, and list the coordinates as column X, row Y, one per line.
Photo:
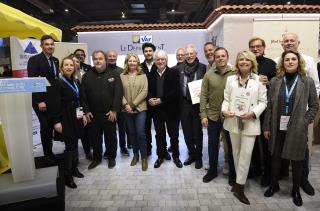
column 204, row 122
column 58, row 127
column 267, row 134
column 152, row 101
column 112, row 116
column 263, row 79
column 247, row 116
column 84, row 120
column 42, row 106
column 228, row 114
column 89, row 116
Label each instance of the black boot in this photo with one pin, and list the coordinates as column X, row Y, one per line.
column 239, row 193
column 68, row 163
column 273, row 188
column 77, row 173
column 296, row 197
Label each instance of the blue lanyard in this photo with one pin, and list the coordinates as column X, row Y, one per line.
column 289, row 93
column 74, row 88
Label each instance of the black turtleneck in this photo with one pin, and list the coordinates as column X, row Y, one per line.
column 266, row 67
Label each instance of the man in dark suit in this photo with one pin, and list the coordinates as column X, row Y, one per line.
column 81, row 55
column 148, row 66
column 163, row 98
column 101, row 92
column 45, row 65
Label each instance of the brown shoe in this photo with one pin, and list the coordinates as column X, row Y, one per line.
column 135, row 159
column 144, row 164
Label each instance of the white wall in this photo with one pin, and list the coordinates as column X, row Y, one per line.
column 123, row 43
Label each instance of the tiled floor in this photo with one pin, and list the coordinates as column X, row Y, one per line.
column 169, row 188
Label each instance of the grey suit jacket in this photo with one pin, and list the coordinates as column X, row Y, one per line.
column 304, row 111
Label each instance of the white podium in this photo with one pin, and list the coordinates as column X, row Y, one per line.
column 16, row 118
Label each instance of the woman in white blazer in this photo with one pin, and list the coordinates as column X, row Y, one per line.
column 245, row 98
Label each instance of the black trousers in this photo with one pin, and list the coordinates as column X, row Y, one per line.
column 163, row 121
column 192, row 128
column 46, row 130
column 70, row 155
column 86, row 144
column 100, row 125
column 276, row 162
column 121, row 133
column 148, row 130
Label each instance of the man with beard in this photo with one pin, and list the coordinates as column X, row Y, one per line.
column 101, row 98
column 191, row 70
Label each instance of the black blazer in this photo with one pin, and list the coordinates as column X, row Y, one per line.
column 145, row 68
column 38, row 66
column 170, row 99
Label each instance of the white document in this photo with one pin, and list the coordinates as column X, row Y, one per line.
column 241, row 102
column 195, row 90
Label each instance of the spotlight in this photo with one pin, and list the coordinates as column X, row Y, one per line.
column 66, row 10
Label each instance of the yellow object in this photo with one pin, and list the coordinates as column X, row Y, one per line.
column 4, row 159
column 13, row 22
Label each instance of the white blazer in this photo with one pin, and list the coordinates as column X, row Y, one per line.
column 258, row 102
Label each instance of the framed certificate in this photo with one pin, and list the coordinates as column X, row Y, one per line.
column 241, row 102
column 195, row 90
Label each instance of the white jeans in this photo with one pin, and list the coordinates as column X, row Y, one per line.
column 242, row 146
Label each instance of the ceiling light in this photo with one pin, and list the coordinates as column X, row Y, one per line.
column 288, row 2
column 123, row 15
column 138, row 6
column 66, row 10
column 172, row 10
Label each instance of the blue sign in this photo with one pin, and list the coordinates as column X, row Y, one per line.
column 15, row 85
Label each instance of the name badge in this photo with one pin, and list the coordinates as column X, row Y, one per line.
column 284, row 122
column 110, row 79
column 79, row 112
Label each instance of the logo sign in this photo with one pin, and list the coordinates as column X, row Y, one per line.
column 140, row 39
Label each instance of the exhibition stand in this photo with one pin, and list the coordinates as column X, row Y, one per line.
column 26, row 186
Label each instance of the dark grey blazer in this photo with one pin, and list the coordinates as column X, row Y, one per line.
column 304, row 111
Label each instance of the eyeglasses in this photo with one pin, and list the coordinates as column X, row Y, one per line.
column 255, row 46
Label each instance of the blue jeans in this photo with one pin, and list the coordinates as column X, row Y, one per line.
column 136, row 131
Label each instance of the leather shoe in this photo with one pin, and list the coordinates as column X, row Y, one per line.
column 307, row 187
column 296, row 198
column 77, row 173
column 209, row 176
column 111, row 163
column 272, row 190
column 69, row 182
column 94, row 164
column 177, row 162
column 167, row 156
column 189, row 161
column 105, row 156
column 158, row 162
column 198, row 164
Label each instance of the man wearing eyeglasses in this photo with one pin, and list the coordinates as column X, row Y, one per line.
column 266, row 71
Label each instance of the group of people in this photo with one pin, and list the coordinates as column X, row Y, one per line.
column 256, row 104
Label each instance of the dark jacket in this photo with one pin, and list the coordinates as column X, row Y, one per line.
column 38, row 66
column 119, row 70
column 170, row 99
column 64, row 111
column 266, row 67
column 146, row 70
column 200, row 71
column 85, row 67
column 101, row 92
column 297, row 133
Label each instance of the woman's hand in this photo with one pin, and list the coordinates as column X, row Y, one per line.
column 84, row 120
column 267, row 134
column 58, row 127
column 204, row 122
column 247, row 116
column 128, row 108
column 228, row 114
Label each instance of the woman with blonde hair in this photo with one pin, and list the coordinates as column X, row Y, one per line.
column 292, row 105
column 135, row 90
column 244, row 100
